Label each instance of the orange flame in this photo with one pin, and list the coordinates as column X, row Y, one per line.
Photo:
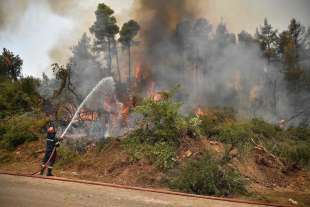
column 153, row 94
column 138, row 73
column 86, row 115
column 199, row 112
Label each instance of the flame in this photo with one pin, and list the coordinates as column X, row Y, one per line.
column 86, row 115
column 124, row 114
column 254, row 93
column 138, row 73
column 151, row 90
column 153, row 94
column 199, row 111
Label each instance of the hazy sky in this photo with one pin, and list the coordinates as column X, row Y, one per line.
column 41, row 35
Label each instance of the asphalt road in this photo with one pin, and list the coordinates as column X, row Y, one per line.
column 24, row 191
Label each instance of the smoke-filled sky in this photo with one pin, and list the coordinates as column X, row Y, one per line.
column 42, row 31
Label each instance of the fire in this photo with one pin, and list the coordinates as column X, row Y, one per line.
column 151, row 90
column 254, row 93
column 86, row 115
column 138, row 73
column 199, row 112
column 124, row 114
column 153, row 94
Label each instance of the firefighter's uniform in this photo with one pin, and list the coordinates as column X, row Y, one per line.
column 50, row 152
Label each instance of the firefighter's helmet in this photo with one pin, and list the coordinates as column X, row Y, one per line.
column 51, row 130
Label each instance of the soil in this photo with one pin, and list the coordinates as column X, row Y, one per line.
column 268, row 179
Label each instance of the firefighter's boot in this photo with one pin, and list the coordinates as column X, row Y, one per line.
column 49, row 171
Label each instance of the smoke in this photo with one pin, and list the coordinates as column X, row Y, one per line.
column 11, row 11
column 182, row 48
column 159, row 20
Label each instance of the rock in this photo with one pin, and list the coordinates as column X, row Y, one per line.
column 213, row 142
column 293, row 202
column 188, row 153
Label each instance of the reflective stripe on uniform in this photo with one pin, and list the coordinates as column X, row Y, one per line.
column 51, row 140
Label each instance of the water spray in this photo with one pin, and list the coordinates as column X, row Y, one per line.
column 84, row 102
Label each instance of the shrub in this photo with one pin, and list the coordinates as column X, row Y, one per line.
column 294, row 152
column 65, row 156
column 20, row 129
column 299, row 133
column 161, row 122
column 207, row 176
column 18, row 96
column 161, row 154
column 215, row 117
column 264, row 129
column 236, row 134
column 158, row 134
column 193, row 127
column 210, row 126
column 300, row 154
column 14, row 138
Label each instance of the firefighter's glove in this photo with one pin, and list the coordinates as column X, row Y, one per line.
column 57, row 144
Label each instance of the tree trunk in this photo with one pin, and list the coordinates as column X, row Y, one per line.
column 275, row 99
column 117, row 62
column 109, row 58
column 129, row 65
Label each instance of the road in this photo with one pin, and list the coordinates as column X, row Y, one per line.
column 17, row 191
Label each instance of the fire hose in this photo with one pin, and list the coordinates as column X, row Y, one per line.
column 45, row 164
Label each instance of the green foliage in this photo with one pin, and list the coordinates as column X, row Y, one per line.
column 105, row 29
column 194, row 126
column 299, row 133
column 262, row 128
column 66, row 156
column 18, row 96
column 268, row 39
column 10, row 65
column 210, row 124
column 294, row 153
column 161, row 122
column 160, row 129
column 128, row 32
column 235, row 134
column 207, row 176
column 105, row 24
column 161, row 154
column 20, row 129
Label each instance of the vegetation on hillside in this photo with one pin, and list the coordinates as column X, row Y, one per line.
column 161, row 131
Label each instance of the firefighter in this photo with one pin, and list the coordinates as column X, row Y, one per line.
column 52, row 142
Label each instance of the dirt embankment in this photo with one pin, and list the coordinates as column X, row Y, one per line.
column 268, row 180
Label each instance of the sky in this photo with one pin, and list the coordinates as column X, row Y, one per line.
column 42, row 33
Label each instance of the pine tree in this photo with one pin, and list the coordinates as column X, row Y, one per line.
column 105, row 29
column 268, row 39
column 128, row 32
